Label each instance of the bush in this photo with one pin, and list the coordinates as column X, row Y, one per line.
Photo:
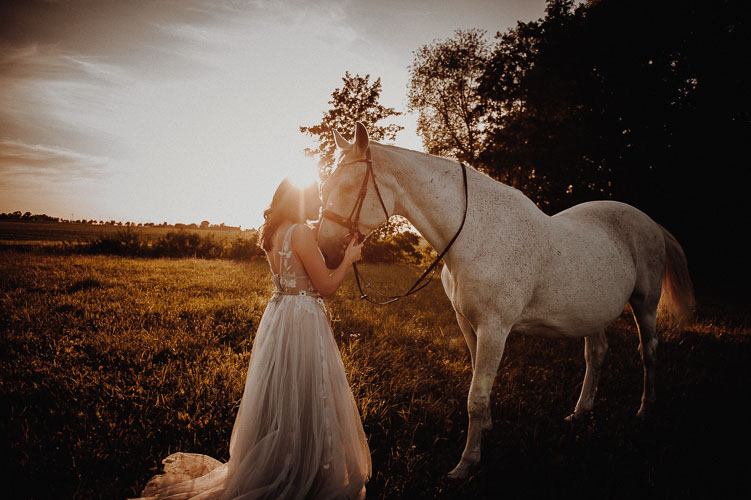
column 125, row 241
column 402, row 247
column 244, row 248
column 187, row 244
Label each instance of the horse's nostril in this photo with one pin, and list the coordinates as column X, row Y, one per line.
column 325, row 257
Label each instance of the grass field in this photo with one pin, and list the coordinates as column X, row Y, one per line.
column 108, row 364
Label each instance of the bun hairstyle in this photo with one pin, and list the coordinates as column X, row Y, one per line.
column 288, row 204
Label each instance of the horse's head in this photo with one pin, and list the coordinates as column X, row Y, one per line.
column 353, row 204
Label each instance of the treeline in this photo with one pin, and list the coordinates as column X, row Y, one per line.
column 17, row 216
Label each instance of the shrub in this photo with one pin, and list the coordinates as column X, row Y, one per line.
column 399, row 247
column 124, row 241
column 187, row 244
column 244, row 248
column 403, row 247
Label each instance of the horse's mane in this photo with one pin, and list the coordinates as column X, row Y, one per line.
column 412, row 152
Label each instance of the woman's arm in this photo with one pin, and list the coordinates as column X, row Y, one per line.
column 324, row 281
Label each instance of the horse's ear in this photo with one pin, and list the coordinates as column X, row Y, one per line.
column 361, row 138
column 340, row 141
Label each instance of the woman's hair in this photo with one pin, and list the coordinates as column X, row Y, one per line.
column 288, row 204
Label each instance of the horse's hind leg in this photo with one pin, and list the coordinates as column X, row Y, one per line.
column 595, row 347
column 645, row 315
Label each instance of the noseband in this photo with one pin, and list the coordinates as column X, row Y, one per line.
column 353, row 224
column 353, row 221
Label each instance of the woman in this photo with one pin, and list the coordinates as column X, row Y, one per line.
column 297, row 433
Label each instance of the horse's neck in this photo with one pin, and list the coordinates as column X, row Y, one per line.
column 429, row 192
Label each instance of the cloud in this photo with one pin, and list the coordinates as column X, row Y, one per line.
column 50, row 163
column 20, row 65
column 65, row 65
column 110, row 42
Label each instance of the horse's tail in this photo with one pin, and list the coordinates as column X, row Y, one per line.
column 677, row 290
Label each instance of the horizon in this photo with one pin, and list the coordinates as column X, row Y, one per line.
column 86, row 220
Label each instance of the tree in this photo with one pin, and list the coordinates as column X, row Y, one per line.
column 584, row 106
column 642, row 102
column 540, row 139
column 357, row 100
column 442, row 89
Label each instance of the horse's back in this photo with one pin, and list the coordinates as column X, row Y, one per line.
column 623, row 219
column 617, row 224
column 598, row 253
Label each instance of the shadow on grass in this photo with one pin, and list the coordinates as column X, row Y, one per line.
column 695, row 445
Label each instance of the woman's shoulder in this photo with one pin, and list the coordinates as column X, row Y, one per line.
column 301, row 229
column 302, row 235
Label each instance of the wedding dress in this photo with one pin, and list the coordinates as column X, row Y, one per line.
column 298, row 432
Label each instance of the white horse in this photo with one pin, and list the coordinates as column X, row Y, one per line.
column 514, row 268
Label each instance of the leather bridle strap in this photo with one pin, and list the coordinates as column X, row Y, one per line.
column 424, row 279
column 353, row 221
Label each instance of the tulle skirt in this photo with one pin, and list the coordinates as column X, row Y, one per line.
column 297, row 433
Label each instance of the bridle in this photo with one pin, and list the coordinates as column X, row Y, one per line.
column 353, row 224
column 353, row 221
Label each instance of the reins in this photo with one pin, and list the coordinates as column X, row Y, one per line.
column 352, row 223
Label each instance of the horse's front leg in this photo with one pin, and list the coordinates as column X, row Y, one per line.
column 469, row 336
column 491, row 340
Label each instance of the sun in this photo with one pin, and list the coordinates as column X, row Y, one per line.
column 302, row 172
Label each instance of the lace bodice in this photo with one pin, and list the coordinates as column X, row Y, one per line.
column 292, row 278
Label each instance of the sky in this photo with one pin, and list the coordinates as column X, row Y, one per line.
column 189, row 110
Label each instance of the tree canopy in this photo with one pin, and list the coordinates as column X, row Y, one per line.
column 356, row 101
column 443, row 89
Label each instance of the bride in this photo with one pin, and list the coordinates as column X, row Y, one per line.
column 297, row 433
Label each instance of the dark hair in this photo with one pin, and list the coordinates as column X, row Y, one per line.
column 288, row 204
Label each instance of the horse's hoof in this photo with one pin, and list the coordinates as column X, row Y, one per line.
column 646, row 410
column 461, row 471
column 577, row 416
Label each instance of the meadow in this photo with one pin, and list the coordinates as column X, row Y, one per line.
column 108, row 364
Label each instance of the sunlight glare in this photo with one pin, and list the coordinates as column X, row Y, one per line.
column 302, row 172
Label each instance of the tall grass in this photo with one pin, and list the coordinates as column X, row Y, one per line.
column 108, row 364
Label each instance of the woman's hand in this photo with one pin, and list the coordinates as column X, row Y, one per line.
column 353, row 251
